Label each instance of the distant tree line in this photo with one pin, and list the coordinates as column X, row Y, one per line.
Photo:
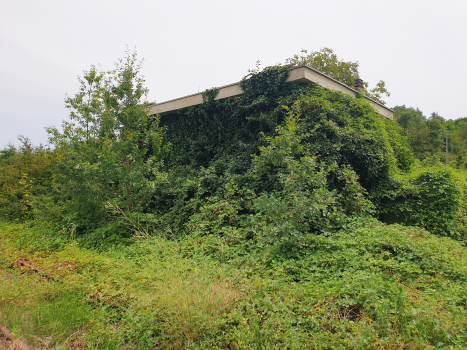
column 427, row 136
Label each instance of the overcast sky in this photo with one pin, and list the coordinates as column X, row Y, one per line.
column 417, row 47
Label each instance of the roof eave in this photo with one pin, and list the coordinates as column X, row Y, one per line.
column 298, row 74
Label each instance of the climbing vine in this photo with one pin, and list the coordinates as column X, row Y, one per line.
column 220, row 136
column 209, row 95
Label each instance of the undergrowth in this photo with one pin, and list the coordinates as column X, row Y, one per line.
column 367, row 286
column 240, row 223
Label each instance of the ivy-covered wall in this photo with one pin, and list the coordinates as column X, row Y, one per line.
column 212, row 144
column 340, row 129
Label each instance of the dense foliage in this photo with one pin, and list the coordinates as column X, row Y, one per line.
column 26, row 178
column 113, row 164
column 430, row 199
column 427, row 136
column 261, row 216
column 221, row 136
column 107, row 151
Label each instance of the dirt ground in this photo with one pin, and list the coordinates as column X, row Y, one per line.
column 6, row 344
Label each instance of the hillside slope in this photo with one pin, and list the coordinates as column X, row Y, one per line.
column 368, row 286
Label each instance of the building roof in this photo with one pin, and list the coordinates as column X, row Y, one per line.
column 298, row 74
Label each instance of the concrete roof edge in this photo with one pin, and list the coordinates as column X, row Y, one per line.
column 198, row 93
column 290, row 68
column 340, row 83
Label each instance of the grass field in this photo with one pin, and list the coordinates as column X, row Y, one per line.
column 369, row 286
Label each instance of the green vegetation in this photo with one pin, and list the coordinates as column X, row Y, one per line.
column 427, row 136
column 26, row 173
column 326, row 61
column 367, row 286
column 250, row 222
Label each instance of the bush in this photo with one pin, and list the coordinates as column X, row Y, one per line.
column 430, row 199
column 304, row 202
column 108, row 151
column 26, row 176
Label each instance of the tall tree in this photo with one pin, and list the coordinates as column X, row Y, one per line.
column 109, row 146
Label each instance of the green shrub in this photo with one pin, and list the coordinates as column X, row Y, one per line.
column 305, row 202
column 108, row 150
column 430, row 199
column 26, row 176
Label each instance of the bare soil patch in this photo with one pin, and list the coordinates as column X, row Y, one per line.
column 8, row 342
